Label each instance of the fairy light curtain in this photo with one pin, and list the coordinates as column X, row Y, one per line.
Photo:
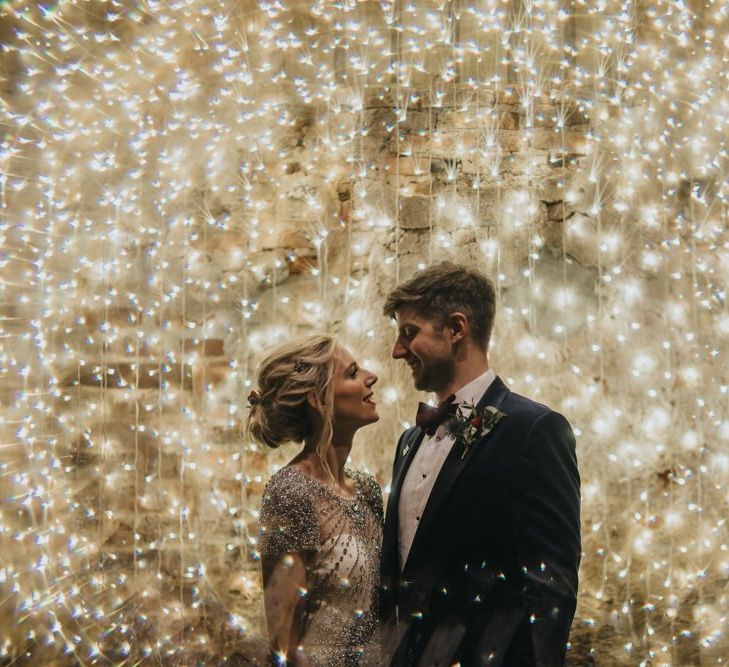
column 185, row 182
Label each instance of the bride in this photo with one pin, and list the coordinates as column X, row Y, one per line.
column 321, row 522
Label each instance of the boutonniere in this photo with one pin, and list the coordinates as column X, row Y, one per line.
column 471, row 423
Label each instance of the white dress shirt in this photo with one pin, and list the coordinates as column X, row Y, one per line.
column 426, row 465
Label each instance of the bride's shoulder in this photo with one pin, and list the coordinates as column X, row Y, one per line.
column 288, row 522
column 369, row 486
column 363, row 478
column 288, row 482
column 287, row 495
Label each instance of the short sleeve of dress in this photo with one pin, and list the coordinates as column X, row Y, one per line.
column 373, row 494
column 287, row 518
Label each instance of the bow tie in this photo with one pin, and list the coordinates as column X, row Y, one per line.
column 429, row 418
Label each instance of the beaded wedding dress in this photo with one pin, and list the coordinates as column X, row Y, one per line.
column 340, row 540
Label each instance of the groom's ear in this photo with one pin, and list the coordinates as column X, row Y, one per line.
column 458, row 324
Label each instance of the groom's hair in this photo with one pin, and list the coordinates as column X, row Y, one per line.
column 445, row 288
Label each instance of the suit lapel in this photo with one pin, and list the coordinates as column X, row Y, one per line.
column 454, row 466
column 390, row 551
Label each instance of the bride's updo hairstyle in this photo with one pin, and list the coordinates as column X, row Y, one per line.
column 287, row 377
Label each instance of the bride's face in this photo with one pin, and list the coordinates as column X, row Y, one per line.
column 354, row 403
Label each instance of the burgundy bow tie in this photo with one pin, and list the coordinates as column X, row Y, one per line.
column 429, row 418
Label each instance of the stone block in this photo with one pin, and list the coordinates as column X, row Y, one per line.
column 545, row 117
column 574, row 140
column 481, row 161
column 407, row 144
column 509, row 120
column 511, row 141
column 460, row 95
column 287, row 238
column 523, row 165
column 507, row 96
column 300, row 265
column 443, row 145
column 554, row 317
column 453, row 145
column 551, row 233
column 300, row 199
column 408, row 166
column 116, row 316
column 417, row 120
column 208, row 347
column 451, row 120
column 415, row 212
column 540, row 139
column 557, row 211
column 131, row 375
column 580, row 232
column 550, row 189
column 207, row 375
column 412, row 185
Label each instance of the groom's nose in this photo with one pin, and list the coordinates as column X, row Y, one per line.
column 399, row 351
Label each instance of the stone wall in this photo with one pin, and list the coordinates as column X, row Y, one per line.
column 216, row 177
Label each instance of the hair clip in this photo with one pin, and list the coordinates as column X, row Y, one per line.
column 301, row 366
column 254, row 398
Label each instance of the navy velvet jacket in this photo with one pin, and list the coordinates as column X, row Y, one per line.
column 491, row 577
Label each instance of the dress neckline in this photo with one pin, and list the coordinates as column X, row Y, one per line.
column 347, row 471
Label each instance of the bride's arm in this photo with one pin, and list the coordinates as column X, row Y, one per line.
column 284, row 596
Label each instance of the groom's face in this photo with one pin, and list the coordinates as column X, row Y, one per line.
column 426, row 348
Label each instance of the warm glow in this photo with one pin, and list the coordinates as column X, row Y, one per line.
column 183, row 183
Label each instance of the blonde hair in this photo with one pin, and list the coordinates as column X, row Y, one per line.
column 288, row 376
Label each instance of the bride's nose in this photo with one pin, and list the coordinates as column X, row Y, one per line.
column 371, row 380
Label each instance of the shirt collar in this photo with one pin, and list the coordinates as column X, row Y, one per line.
column 471, row 393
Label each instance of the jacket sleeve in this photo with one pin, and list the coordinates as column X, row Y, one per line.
column 546, row 506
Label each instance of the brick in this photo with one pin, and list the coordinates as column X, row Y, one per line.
column 558, row 210
column 412, row 185
column 408, row 166
column 287, row 238
column 415, row 212
column 132, row 348
column 211, row 374
column 545, row 117
column 459, row 94
column 118, row 316
column 302, row 265
column 377, row 119
column 408, row 144
column 552, row 234
column 209, row 347
column 507, row 96
column 575, row 140
column 511, row 141
column 509, row 120
column 459, row 120
column 540, row 139
column 453, row 144
column 417, row 120
column 130, row 375
column 550, row 189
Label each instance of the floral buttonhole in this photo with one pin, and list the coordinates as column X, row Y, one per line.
column 471, row 423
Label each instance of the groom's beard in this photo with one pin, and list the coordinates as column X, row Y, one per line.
column 436, row 376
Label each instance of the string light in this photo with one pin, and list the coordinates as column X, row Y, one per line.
column 183, row 183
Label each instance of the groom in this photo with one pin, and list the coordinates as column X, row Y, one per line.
column 482, row 533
